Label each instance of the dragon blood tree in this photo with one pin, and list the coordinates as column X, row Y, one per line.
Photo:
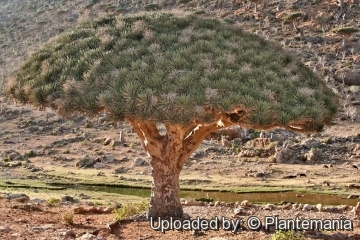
column 194, row 75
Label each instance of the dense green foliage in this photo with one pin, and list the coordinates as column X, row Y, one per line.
column 165, row 67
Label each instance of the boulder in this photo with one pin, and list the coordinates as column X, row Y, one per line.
column 349, row 77
column 311, row 143
column 15, row 156
column 139, row 162
column 99, row 165
column 307, row 207
column 11, row 154
column 230, row 132
column 121, row 170
column 87, row 236
column 108, row 159
column 17, row 195
column 5, row 229
column 283, row 155
column 85, row 161
column 314, row 155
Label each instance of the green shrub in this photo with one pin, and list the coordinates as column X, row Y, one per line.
column 272, row 159
column 130, row 209
column 68, row 219
column 287, row 235
column 53, row 201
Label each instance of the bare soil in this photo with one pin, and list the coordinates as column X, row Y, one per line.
column 27, row 220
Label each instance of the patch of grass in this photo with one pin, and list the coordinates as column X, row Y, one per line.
column 292, row 16
column 272, row 159
column 132, row 145
column 53, row 201
column 287, row 235
column 272, row 145
column 68, row 219
column 130, row 209
column 85, row 142
column 97, row 203
column 66, row 151
column 29, row 154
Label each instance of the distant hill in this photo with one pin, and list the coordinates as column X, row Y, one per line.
column 305, row 27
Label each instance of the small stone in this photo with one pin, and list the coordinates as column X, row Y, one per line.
column 311, row 143
column 5, row 229
column 139, row 162
column 38, row 200
column 108, row 159
column 99, row 165
column 107, row 141
column 13, row 196
column 239, row 211
column 283, row 155
column 269, row 206
column 15, row 156
column 85, row 161
column 307, row 207
column 319, row 207
column 87, row 236
column 121, row 170
column 70, row 233
column 245, row 203
column 191, row 202
column 83, row 196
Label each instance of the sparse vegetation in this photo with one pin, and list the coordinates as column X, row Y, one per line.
column 130, row 209
column 287, row 235
column 53, row 201
column 68, row 219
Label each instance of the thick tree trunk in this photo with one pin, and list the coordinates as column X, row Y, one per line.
column 168, row 154
column 165, row 189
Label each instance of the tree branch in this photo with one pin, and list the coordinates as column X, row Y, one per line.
column 149, row 135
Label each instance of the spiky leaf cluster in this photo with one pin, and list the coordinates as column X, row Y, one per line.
column 170, row 68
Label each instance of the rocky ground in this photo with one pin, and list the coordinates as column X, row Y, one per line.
column 22, row 218
column 39, row 148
